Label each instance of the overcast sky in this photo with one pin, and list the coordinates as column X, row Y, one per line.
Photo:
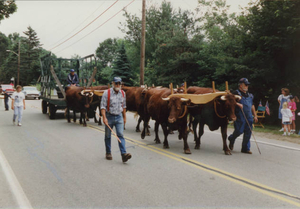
column 57, row 21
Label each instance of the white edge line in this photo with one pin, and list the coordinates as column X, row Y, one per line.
column 14, row 184
column 271, row 144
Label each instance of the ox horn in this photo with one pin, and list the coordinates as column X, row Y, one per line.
column 82, row 92
column 184, row 99
column 238, row 97
column 91, row 94
column 166, row 99
column 223, row 98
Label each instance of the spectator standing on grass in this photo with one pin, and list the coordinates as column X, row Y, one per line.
column 283, row 97
column 286, row 118
column 293, row 107
column 18, row 104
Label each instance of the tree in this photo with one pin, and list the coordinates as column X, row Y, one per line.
column 7, row 7
column 121, row 67
column 30, row 58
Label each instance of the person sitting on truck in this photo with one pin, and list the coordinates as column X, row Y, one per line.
column 73, row 78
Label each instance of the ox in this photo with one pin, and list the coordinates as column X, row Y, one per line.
column 214, row 114
column 91, row 112
column 135, row 102
column 78, row 101
column 165, row 111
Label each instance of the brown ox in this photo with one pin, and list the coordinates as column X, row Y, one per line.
column 91, row 112
column 214, row 114
column 166, row 112
column 78, row 101
column 135, row 103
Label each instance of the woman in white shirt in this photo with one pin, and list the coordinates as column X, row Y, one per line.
column 18, row 104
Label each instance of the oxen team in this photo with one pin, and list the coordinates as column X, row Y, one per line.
column 171, row 113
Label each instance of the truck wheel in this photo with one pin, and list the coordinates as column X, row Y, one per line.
column 44, row 107
column 52, row 111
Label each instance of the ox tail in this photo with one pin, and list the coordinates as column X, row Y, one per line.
column 136, row 116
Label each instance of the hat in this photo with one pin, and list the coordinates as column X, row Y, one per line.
column 72, row 70
column 3, row 90
column 244, row 80
column 117, row 79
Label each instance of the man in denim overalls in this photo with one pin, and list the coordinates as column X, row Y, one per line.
column 240, row 125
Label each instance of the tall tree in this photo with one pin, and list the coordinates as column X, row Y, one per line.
column 121, row 66
column 7, row 7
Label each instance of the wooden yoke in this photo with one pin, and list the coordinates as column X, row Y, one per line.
column 213, row 87
column 227, row 89
column 171, row 87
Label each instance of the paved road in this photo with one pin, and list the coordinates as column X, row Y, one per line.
column 55, row 164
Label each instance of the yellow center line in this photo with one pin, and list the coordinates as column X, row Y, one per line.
column 277, row 194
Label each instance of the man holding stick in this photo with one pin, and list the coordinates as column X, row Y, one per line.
column 113, row 110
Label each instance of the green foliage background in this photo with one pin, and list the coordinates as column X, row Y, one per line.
column 209, row 44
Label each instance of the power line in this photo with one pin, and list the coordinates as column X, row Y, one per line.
column 78, row 25
column 97, row 27
column 85, row 26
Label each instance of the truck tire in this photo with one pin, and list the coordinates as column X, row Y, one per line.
column 44, row 107
column 52, row 111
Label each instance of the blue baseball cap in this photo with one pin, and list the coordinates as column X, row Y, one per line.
column 72, row 70
column 117, row 79
column 244, row 80
column 3, row 90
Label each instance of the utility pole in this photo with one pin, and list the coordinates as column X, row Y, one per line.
column 142, row 64
column 19, row 58
column 19, row 63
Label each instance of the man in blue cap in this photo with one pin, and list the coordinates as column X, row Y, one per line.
column 113, row 110
column 244, row 111
column 73, row 78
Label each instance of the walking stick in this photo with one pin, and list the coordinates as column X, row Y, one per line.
column 251, row 131
column 109, row 127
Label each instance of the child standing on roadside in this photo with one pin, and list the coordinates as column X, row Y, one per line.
column 286, row 118
column 17, row 104
column 292, row 106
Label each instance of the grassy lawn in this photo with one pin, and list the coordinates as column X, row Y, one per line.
column 272, row 129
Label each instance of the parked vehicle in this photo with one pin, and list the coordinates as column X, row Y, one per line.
column 8, row 88
column 31, row 92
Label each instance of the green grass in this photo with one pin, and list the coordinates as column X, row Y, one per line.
column 272, row 129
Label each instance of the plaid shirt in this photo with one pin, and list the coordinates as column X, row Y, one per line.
column 116, row 104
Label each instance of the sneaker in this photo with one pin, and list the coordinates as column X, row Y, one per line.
column 289, row 133
column 126, row 157
column 281, row 130
column 19, row 124
column 14, row 122
column 108, row 156
column 284, row 134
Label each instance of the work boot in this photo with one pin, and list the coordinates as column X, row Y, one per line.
column 108, row 156
column 126, row 157
column 246, row 152
column 231, row 144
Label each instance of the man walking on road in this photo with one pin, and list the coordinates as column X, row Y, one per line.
column 240, row 125
column 113, row 110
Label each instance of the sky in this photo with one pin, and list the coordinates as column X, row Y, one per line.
column 77, row 27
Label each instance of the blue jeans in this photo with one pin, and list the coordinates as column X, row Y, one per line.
column 117, row 121
column 18, row 111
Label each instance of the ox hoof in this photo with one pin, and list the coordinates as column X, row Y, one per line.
column 157, row 141
column 197, row 146
column 143, row 136
column 187, row 151
column 137, row 130
column 227, row 152
column 166, row 147
column 148, row 134
column 84, row 125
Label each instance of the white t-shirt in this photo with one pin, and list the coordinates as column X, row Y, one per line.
column 286, row 115
column 18, row 97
